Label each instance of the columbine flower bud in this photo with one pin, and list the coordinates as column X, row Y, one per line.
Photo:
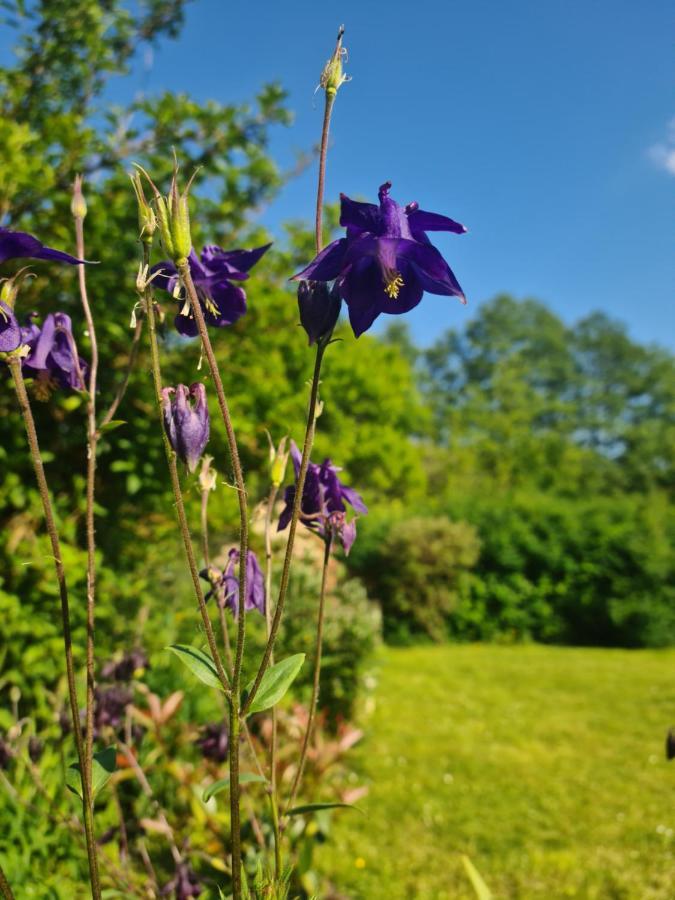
column 147, row 221
column 319, row 309
column 187, row 426
column 278, row 460
column 78, row 205
column 332, row 77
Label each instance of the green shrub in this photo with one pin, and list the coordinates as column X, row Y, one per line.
column 417, row 570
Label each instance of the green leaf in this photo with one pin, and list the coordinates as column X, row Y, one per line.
column 315, row 807
column 104, row 764
column 199, row 663
column 275, row 682
column 222, row 783
column 482, row 890
column 111, row 425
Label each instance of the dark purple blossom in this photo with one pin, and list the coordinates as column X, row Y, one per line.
column 20, row 245
column 184, row 884
column 323, row 502
column 5, row 754
column 10, row 330
column 124, row 669
column 213, row 273
column 110, row 705
column 53, row 353
column 319, row 308
column 187, row 426
column 386, row 261
column 225, row 585
column 670, row 744
column 35, row 749
column 214, row 741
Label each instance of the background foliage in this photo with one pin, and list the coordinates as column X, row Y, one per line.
column 519, row 471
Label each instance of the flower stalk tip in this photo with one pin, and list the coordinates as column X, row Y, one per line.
column 332, row 77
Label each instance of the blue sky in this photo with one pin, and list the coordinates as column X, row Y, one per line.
column 543, row 126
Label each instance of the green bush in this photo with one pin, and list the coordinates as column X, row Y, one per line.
column 599, row 571
column 417, row 569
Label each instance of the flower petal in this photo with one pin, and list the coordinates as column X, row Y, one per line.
column 429, row 267
column 10, row 330
column 354, row 499
column 327, row 265
column 362, row 216
column 239, row 260
column 20, row 244
column 421, row 220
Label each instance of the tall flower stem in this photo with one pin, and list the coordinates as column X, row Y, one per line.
column 92, row 446
column 274, row 800
column 5, row 889
column 235, row 700
column 175, row 485
column 297, row 502
column 311, row 411
column 31, row 434
column 317, row 677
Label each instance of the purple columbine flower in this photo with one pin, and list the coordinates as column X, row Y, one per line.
column 187, row 426
column 214, row 741
column 323, row 502
column 386, row 261
column 21, row 245
column 222, row 302
column 53, row 352
column 10, row 330
column 184, row 884
column 225, row 585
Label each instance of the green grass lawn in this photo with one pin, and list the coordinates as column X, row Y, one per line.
column 545, row 765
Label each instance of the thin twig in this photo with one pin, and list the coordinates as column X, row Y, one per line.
column 92, row 445
column 31, row 433
column 235, row 699
column 317, row 678
column 175, row 485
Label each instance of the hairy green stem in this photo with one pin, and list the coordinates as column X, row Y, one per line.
column 297, row 504
column 92, row 446
column 317, row 678
column 235, row 698
column 5, row 889
column 274, row 801
column 175, row 485
column 31, row 433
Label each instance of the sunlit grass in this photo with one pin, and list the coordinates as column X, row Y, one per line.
column 544, row 765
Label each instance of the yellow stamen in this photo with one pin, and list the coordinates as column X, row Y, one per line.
column 393, row 285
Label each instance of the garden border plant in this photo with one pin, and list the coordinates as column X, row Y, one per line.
column 383, row 266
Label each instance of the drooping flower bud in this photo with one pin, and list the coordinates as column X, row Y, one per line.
column 332, row 77
column 147, row 221
column 187, row 425
column 78, row 205
column 207, row 475
column 319, row 309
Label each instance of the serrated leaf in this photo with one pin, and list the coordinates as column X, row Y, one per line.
column 111, row 425
column 315, row 807
column 275, row 682
column 199, row 663
column 483, row 892
column 104, row 764
column 222, row 783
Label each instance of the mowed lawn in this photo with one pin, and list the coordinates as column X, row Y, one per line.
column 544, row 765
